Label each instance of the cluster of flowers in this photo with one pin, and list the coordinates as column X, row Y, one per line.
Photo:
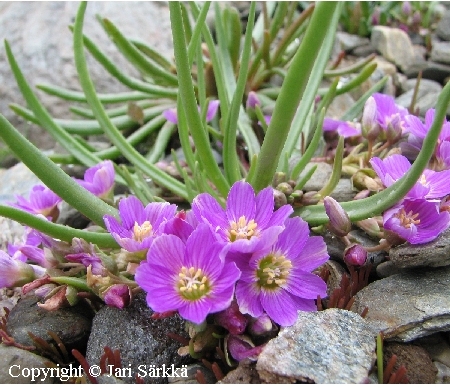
column 197, row 262
column 423, row 213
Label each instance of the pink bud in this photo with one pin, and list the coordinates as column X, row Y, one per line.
column 340, row 223
column 232, row 319
column 253, row 100
column 355, row 255
column 261, row 325
column 241, row 347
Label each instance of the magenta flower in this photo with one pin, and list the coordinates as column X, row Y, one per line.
column 277, row 280
column 432, row 185
column 99, row 179
column 249, row 223
column 118, row 296
column 390, row 116
column 41, row 201
column 416, row 221
column 17, row 273
column 85, row 254
column 139, row 225
column 213, row 105
column 191, row 278
column 343, row 128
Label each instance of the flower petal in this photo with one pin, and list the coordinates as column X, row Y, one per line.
column 241, row 202
column 247, row 296
column 279, row 306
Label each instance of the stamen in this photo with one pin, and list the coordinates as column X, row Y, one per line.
column 407, row 219
column 140, row 232
column 242, row 229
column 192, row 283
column 273, row 271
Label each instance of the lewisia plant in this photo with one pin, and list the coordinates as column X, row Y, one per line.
column 219, row 230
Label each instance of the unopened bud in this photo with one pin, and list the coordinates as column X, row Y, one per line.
column 406, row 8
column 278, row 178
column 280, row 198
column 310, row 198
column 118, row 296
column 370, row 128
column 362, row 181
column 370, row 226
column 260, row 326
column 417, row 18
column 340, row 224
column 285, row 188
column 355, row 255
column 253, row 100
column 232, row 319
column 241, row 347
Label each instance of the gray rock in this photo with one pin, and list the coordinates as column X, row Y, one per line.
column 423, row 103
column 347, row 42
column 319, row 178
column 425, row 86
column 443, row 27
column 16, row 365
column 443, row 375
column 364, row 51
column 436, row 71
column 408, row 305
column 328, row 347
column 71, row 324
column 245, row 373
column 387, row 269
column 394, row 44
column 142, row 341
column 17, row 180
column 437, row 347
column 191, row 372
column 440, row 52
column 433, row 254
column 42, row 44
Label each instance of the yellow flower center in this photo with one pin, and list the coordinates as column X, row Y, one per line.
column 140, row 232
column 273, row 271
column 192, row 283
column 242, row 229
column 406, row 219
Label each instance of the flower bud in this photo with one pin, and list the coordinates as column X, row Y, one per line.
column 355, row 255
column 260, row 326
column 406, row 8
column 417, row 18
column 362, row 181
column 278, row 178
column 340, row 224
column 241, row 347
column 280, row 198
column 253, row 100
column 369, row 124
column 370, row 226
column 285, row 188
column 310, row 198
column 232, row 319
column 376, row 16
column 118, row 296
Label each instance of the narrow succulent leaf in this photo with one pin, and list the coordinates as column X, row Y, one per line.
column 183, row 135
column 152, row 53
column 349, row 69
column 309, row 152
column 77, row 283
column 231, row 164
column 105, row 98
column 301, row 183
column 355, row 110
column 57, row 231
column 113, row 133
column 136, row 58
column 186, row 23
column 197, row 32
column 258, row 30
column 277, row 22
column 161, row 142
column 131, row 82
column 336, row 172
column 234, row 36
column 189, row 101
column 118, row 111
column 380, row 366
column 378, row 203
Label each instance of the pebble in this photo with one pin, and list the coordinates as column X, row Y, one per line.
column 443, row 27
column 408, row 305
column 328, row 347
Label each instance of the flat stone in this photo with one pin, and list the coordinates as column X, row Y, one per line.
column 245, row 373
column 443, row 374
column 320, row 176
column 437, row 347
column 408, row 305
column 432, row 254
column 328, row 347
column 436, row 71
column 440, row 52
column 16, row 364
column 387, row 269
column 394, row 45
column 347, row 42
column 72, row 324
column 142, row 341
column 17, row 180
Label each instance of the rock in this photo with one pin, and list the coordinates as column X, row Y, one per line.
column 424, row 101
column 335, row 277
column 387, row 269
column 394, row 45
column 319, row 178
column 245, row 373
column 409, row 305
column 71, row 324
column 9, row 298
column 437, row 347
column 327, row 347
column 443, row 374
column 433, row 254
column 348, row 42
column 443, row 27
column 16, row 365
column 42, row 44
column 70, row 217
column 388, row 68
column 142, row 341
column 436, row 71
column 344, row 190
column 17, row 180
column 418, row 364
column 364, row 51
column 339, row 105
column 441, row 52
column 425, row 86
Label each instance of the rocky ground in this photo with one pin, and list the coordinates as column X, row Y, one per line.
column 408, row 297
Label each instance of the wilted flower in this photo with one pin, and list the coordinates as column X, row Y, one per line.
column 232, row 319
column 213, row 105
column 190, row 277
column 241, row 347
column 118, row 296
column 260, row 326
column 17, row 273
column 248, row 223
column 416, row 221
column 41, row 201
column 277, row 280
column 431, row 185
column 139, row 225
column 86, row 255
column 99, row 179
